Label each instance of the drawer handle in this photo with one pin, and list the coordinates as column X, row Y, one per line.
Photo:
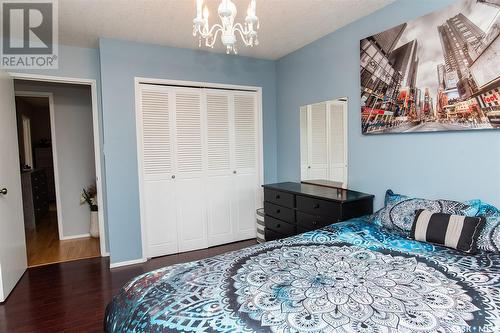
column 316, row 206
column 314, row 223
column 277, row 196
column 278, row 225
column 278, row 211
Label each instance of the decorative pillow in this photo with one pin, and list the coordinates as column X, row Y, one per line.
column 454, row 231
column 399, row 211
column 489, row 238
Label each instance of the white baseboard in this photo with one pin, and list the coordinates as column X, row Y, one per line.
column 74, row 237
column 127, row 263
column 105, row 254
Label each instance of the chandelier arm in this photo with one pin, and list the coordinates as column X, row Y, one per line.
column 214, row 39
column 242, row 29
column 244, row 35
column 211, row 31
column 215, row 27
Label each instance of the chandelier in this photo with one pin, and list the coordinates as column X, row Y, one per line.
column 228, row 29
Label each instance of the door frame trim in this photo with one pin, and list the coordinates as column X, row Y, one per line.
column 192, row 84
column 96, row 134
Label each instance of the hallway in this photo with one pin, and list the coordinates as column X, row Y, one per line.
column 44, row 247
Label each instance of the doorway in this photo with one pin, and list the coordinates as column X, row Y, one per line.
column 58, row 170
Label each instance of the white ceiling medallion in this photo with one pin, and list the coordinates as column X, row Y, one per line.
column 227, row 13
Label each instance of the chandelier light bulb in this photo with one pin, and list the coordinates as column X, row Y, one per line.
column 199, row 5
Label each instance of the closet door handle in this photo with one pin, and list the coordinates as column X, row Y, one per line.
column 234, row 172
column 278, row 211
column 173, row 176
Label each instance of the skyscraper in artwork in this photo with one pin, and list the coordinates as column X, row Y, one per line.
column 387, row 40
column 458, row 36
column 405, row 60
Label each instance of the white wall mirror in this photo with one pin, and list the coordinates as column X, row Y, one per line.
column 323, row 142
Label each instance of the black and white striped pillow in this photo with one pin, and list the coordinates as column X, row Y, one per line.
column 453, row 231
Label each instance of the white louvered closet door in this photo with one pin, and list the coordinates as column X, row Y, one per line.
column 190, row 191
column 318, row 148
column 155, row 135
column 199, row 167
column 337, row 142
column 245, row 163
column 220, row 178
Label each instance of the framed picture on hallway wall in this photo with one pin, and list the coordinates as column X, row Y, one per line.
column 439, row 72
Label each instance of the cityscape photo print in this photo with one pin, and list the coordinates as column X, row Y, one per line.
column 440, row 72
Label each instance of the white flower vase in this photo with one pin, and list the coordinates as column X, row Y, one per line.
column 94, row 224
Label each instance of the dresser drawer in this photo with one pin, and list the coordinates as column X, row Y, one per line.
column 282, row 227
column 311, row 222
column 279, row 212
column 357, row 208
column 272, row 235
column 279, row 198
column 318, row 207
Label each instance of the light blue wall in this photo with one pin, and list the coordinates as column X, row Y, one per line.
column 454, row 165
column 120, row 62
column 76, row 62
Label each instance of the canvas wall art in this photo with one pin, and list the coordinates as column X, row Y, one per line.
column 440, row 72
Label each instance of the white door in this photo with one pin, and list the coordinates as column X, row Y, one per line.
column 155, row 130
column 12, row 242
column 190, row 185
column 337, row 141
column 318, row 147
column 245, row 163
column 220, row 182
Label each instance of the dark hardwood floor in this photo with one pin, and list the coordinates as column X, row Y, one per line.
column 72, row 296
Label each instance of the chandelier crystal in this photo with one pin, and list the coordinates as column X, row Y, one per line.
column 227, row 29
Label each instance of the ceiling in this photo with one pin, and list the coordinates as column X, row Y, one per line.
column 286, row 25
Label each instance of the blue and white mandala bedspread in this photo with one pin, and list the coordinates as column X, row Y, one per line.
column 348, row 277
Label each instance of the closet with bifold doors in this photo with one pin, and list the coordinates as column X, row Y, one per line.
column 199, row 166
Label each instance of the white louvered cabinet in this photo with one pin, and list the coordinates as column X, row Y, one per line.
column 199, row 167
column 318, row 137
column 323, row 136
column 304, row 140
column 337, row 153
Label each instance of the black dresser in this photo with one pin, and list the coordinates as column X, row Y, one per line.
column 35, row 197
column 294, row 208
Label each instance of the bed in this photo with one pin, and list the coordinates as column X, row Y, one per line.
column 352, row 276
